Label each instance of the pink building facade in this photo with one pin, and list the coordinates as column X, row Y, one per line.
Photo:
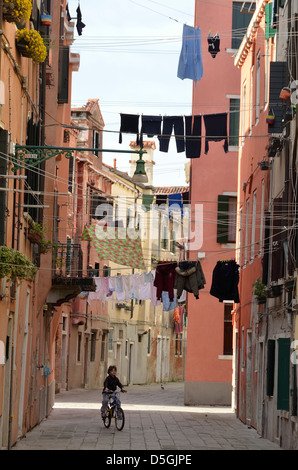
column 213, row 188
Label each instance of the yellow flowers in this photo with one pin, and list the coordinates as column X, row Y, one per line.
column 17, row 10
column 35, row 46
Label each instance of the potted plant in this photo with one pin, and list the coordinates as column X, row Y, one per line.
column 259, row 291
column 275, row 290
column 17, row 11
column 36, row 234
column 264, row 165
column 289, row 283
column 14, row 264
column 30, row 44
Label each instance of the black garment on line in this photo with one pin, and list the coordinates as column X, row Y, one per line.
column 151, row 125
column 129, row 123
column 170, row 122
column 213, row 44
column 193, row 128
column 80, row 25
column 216, row 129
column 225, row 279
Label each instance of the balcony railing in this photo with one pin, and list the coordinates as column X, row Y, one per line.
column 67, row 260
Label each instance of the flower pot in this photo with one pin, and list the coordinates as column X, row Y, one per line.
column 289, row 284
column 276, row 290
column 264, row 165
column 285, row 94
column 261, row 300
column 23, row 49
column 46, row 20
column 34, row 237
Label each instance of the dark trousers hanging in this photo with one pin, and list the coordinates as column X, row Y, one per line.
column 193, row 128
column 170, row 122
column 216, row 130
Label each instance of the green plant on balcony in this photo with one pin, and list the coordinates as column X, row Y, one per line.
column 14, row 264
column 31, row 44
column 17, row 11
column 260, row 291
column 36, row 234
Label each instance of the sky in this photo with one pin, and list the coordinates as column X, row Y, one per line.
column 129, row 53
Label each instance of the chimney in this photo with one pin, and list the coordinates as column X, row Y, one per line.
column 115, row 163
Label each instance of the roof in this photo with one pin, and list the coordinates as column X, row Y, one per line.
column 171, row 189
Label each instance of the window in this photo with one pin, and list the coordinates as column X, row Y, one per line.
column 269, row 32
column 246, row 232
column 251, row 106
column 253, row 226
column 234, row 122
column 103, row 346
column 258, row 87
column 270, row 366
column 96, row 142
column 243, row 127
column 226, row 219
column 63, row 76
column 164, row 239
column 267, row 62
column 93, row 345
column 283, row 378
column 242, row 14
column 110, row 346
column 262, row 218
column 70, row 174
column 149, row 342
column 178, row 344
column 240, row 236
column 79, row 347
column 228, row 330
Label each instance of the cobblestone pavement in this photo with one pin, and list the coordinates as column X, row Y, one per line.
column 156, row 419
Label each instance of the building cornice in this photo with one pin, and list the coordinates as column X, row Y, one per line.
column 250, row 34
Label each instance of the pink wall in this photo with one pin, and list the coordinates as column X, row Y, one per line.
column 211, row 175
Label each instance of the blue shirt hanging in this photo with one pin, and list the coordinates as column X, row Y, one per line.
column 175, row 203
column 190, row 62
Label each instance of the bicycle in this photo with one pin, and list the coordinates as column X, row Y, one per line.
column 114, row 411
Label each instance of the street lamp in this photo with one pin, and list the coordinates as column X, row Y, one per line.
column 140, row 175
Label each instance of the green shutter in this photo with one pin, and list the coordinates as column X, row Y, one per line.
column 270, row 366
column 269, row 32
column 222, row 219
column 234, row 122
column 283, row 380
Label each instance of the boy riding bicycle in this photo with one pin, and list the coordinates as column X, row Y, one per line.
column 110, row 384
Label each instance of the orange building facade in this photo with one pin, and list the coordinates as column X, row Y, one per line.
column 213, row 186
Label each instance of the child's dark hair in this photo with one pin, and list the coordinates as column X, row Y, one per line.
column 111, row 368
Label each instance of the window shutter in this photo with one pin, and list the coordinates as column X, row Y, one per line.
column 63, row 75
column 4, row 136
column 234, row 122
column 270, row 366
column 222, row 218
column 283, row 383
column 269, row 32
column 278, row 80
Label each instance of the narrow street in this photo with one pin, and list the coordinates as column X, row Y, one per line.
column 156, row 419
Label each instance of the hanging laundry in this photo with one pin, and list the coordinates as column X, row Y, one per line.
column 168, row 304
column 145, row 286
column 154, row 301
column 189, row 277
column 119, row 289
column 190, row 61
column 193, row 129
column 68, row 15
column 80, row 25
column 170, row 123
column 151, row 125
column 213, row 44
column 216, row 130
column 120, row 247
column 178, row 319
column 225, row 279
column 129, row 123
column 165, row 279
column 175, row 203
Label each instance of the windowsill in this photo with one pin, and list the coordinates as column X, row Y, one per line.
column 232, row 51
column 233, row 148
column 228, row 357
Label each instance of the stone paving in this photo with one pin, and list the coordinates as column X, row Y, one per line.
column 156, row 420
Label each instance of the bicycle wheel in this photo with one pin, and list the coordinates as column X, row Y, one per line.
column 119, row 419
column 107, row 419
